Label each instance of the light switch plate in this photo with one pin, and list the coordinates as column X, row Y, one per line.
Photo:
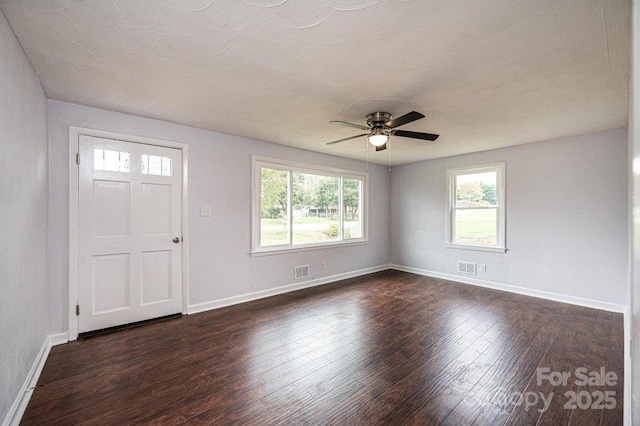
column 205, row 210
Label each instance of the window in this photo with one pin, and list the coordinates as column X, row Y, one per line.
column 155, row 165
column 476, row 207
column 298, row 206
column 110, row 161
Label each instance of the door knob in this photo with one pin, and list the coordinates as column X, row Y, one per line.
column 176, row 240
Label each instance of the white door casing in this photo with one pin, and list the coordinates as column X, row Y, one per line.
column 128, row 267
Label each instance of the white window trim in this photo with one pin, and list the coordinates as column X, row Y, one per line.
column 500, row 246
column 258, row 162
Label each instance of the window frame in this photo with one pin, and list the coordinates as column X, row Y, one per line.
column 259, row 162
column 452, row 174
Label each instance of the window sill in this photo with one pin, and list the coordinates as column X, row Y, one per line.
column 276, row 251
column 476, row 248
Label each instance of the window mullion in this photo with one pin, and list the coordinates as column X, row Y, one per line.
column 477, row 208
column 340, row 208
column 453, row 224
column 453, row 212
column 290, row 207
column 361, row 207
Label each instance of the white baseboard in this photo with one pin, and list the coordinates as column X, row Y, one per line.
column 20, row 403
column 556, row 297
column 58, row 338
column 220, row 303
column 627, row 367
column 22, row 400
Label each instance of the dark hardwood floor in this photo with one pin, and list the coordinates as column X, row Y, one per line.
column 387, row 348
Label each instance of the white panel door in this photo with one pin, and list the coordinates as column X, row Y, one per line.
column 130, row 237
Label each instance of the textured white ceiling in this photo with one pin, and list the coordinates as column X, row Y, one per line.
column 487, row 73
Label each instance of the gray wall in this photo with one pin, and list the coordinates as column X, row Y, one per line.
column 219, row 176
column 23, row 217
column 566, row 228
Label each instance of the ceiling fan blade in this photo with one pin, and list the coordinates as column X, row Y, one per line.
column 346, row 139
column 404, row 119
column 357, row 126
column 381, row 147
column 416, row 135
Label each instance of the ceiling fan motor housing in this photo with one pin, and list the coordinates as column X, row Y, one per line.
column 381, row 125
column 377, row 119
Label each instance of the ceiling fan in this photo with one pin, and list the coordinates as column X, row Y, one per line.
column 381, row 125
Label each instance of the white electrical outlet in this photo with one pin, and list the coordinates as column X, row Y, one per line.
column 205, row 211
column 324, row 265
column 482, row 268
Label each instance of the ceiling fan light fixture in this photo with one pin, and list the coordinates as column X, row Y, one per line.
column 378, row 137
column 381, row 125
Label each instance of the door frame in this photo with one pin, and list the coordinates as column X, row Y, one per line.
column 74, row 211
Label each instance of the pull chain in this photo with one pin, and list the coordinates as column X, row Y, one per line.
column 389, row 152
column 366, row 148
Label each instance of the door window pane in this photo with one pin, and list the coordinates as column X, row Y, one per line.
column 155, row 165
column 352, row 202
column 274, row 223
column 110, row 161
column 315, row 208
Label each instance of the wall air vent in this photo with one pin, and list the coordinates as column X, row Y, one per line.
column 466, row 268
column 301, row 271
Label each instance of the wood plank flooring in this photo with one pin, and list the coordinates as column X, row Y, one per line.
column 386, row 348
